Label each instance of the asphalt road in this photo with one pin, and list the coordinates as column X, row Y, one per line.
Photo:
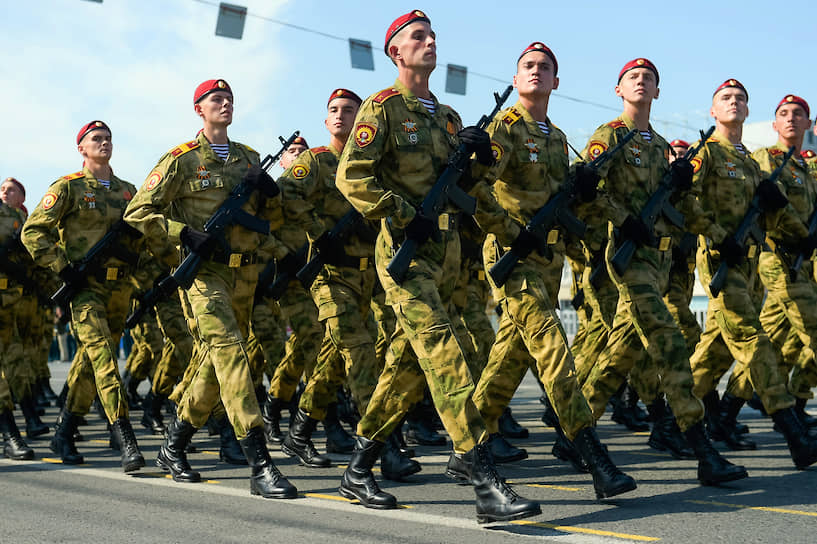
column 44, row 501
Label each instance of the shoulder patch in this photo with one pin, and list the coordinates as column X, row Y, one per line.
column 712, row 140
column 595, row 149
column 384, row 95
column 299, row 171
column 696, row 164
column 184, row 148
column 618, row 123
column 808, row 154
column 364, row 134
column 774, row 152
column 321, row 149
column 497, row 150
column 153, row 180
column 49, row 200
column 511, row 117
column 75, row 175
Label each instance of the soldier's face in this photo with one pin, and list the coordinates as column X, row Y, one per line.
column 416, row 47
column 216, row 108
column 791, row 121
column 96, row 145
column 11, row 194
column 534, row 75
column 341, row 117
column 638, row 86
column 729, row 105
column 291, row 154
column 679, row 152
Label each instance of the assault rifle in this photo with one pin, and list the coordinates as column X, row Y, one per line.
column 555, row 211
column 285, row 274
column 658, row 204
column 748, row 227
column 228, row 214
column 339, row 234
column 445, row 190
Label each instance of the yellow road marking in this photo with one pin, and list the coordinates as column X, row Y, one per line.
column 209, row 452
column 98, row 441
column 343, row 499
column 546, row 486
column 761, row 508
column 59, row 462
column 568, row 529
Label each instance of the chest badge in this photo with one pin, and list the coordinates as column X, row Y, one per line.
column 636, row 151
column 203, row 175
column 533, row 150
column 90, row 198
column 731, row 171
column 410, row 127
column 797, row 179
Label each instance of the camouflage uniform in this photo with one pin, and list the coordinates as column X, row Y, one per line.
column 642, row 317
column 267, row 340
column 392, row 159
column 12, row 361
column 724, row 183
column 177, row 352
column 74, row 214
column 530, row 168
column 679, row 295
column 185, row 188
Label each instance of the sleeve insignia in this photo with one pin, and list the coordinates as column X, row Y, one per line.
column 299, row 171
column 774, row 152
column 75, row 175
column 126, row 195
column 153, row 180
column 49, row 200
column 364, row 134
column 712, row 140
column 321, row 149
column 595, row 149
column 696, row 164
column 384, row 95
column 184, row 148
column 497, row 150
column 617, row 124
column 511, row 117
column 808, row 154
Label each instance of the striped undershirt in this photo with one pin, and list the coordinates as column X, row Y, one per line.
column 222, row 150
column 646, row 134
column 105, row 183
column 429, row 104
column 740, row 148
column 543, row 127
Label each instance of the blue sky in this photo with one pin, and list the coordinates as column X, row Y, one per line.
column 135, row 64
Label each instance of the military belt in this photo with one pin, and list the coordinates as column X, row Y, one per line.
column 781, row 248
column 235, row 260
column 111, row 273
column 358, row 263
column 664, row 243
column 449, row 221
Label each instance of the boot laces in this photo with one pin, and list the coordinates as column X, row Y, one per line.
column 489, row 469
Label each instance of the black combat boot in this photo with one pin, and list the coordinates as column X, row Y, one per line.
column 720, row 415
column 347, row 411
column 458, row 469
column 14, row 446
column 152, row 418
column 665, row 435
column 45, row 386
column 756, row 403
column 63, row 441
column 404, row 448
column 131, row 456
column 503, row 451
column 394, row 465
column 299, row 442
column 34, row 425
column 608, row 480
column 229, row 450
column 729, row 420
column 713, row 469
column 337, row 439
column 562, row 447
column 172, row 454
column 625, row 405
column 271, row 414
column 39, row 396
column 807, row 419
column 496, row 500
column 419, row 427
column 358, row 482
column 130, row 384
column 266, row 480
column 62, row 396
column 509, row 427
column 802, row 447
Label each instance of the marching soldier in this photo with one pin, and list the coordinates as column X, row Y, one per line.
column 400, row 144
column 180, row 194
column 75, row 213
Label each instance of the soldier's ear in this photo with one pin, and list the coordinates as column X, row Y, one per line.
column 618, row 91
column 657, row 91
column 197, row 109
column 555, row 83
column 514, row 81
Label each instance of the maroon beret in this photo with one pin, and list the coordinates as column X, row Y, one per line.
column 210, row 86
column 343, row 93
column 539, row 46
column 732, row 83
column 638, row 63
column 18, row 184
column 93, row 125
column 300, row 141
column 401, row 22
column 679, row 143
column 793, row 99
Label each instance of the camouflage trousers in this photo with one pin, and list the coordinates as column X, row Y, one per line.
column 302, row 346
column 220, row 300
column 5, row 394
column 382, row 325
column 41, row 370
column 147, row 346
column 267, row 341
column 804, row 374
column 97, row 318
column 733, row 333
column 424, row 330
column 599, row 306
column 343, row 296
column 472, row 326
column 10, row 357
column 529, row 319
column 32, row 319
column 17, row 366
column 177, row 351
column 642, row 323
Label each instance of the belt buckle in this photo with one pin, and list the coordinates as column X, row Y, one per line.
column 481, row 275
column 553, row 236
column 4, row 283
column 444, row 221
column 665, row 243
column 112, row 273
column 235, row 260
column 363, row 265
column 752, row 251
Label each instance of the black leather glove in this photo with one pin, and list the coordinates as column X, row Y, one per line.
column 731, row 251
column 525, row 243
column 258, row 177
column 477, row 141
column 201, row 243
column 289, row 264
column 634, row 229
column 681, row 171
column 330, row 248
column 421, row 228
column 770, row 197
column 587, row 181
column 70, row 274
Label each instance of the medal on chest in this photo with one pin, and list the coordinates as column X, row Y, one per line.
column 90, row 198
column 636, row 151
column 731, row 169
column 533, row 150
column 796, row 177
column 203, row 175
column 410, row 127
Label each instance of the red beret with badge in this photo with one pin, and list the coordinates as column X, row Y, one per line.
column 300, row 141
column 211, row 86
column 343, row 93
column 402, row 22
column 679, row 143
column 19, row 185
column 93, row 125
column 732, row 83
column 639, row 63
column 539, row 46
column 794, row 99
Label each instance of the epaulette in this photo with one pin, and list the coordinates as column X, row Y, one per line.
column 384, row 95
column 75, row 175
column 321, row 149
column 712, row 140
column 618, row 123
column 808, row 154
column 184, row 148
column 248, row 148
column 511, row 117
column 774, row 152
